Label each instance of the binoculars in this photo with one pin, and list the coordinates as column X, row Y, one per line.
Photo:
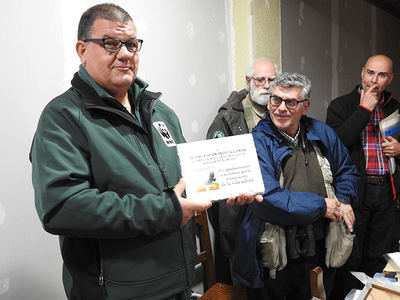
column 300, row 241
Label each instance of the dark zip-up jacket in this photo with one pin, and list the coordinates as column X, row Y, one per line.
column 230, row 118
column 225, row 219
column 103, row 182
column 348, row 119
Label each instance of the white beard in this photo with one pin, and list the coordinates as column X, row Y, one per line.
column 255, row 95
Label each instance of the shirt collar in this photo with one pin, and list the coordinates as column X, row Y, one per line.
column 136, row 89
column 259, row 110
column 90, row 81
column 294, row 141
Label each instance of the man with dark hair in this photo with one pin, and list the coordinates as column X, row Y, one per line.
column 242, row 111
column 109, row 12
column 106, row 175
column 309, row 179
column 355, row 117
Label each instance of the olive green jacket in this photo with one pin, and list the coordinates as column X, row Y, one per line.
column 103, row 182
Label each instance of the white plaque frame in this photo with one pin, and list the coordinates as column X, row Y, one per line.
column 220, row 168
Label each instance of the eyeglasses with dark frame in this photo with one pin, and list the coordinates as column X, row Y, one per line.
column 262, row 80
column 114, row 45
column 290, row 103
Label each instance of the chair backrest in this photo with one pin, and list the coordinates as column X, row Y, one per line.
column 205, row 256
column 317, row 283
column 212, row 290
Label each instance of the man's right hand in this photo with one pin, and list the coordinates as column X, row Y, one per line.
column 332, row 209
column 189, row 207
column 369, row 98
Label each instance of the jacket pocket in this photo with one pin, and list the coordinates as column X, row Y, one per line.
column 144, row 267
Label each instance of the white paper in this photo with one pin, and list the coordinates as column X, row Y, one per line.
column 220, row 168
column 391, row 126
column 394, row 260
column 353, row 294
column 368, row 282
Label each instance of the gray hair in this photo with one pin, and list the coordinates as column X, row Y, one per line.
column 250, row 67
column 106, row 11
column 293, row 80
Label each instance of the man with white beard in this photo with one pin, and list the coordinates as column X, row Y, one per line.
column 239, row 115
column 244, row 109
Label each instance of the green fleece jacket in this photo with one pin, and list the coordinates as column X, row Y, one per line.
column 103, row 182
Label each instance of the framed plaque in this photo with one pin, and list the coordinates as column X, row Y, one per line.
column 220, row 168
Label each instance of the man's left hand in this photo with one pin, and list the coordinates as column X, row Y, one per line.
column 391, row 147
column 348, row 215
column 244, row 199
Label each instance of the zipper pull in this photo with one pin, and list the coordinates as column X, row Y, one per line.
column 101, row 279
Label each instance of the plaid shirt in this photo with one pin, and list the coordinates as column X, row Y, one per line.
column 253, row 113
column 371, row 137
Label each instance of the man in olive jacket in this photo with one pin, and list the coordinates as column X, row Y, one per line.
column 106, row 176
column 238, row 115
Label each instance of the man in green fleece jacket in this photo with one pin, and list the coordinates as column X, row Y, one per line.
column 106, row 176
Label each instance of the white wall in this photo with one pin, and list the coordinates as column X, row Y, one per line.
column 186, row 55
column 330, row 40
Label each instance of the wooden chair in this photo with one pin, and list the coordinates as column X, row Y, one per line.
column 317, row 283
column 213, row 290
column 221, row 291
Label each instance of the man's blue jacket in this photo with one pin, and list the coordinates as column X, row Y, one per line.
column 282, row 206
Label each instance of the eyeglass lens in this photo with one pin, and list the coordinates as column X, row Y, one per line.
column 290, row 103
column 113, row 45
column 259, row 80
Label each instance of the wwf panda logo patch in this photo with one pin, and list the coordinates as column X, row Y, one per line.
column 164, row 133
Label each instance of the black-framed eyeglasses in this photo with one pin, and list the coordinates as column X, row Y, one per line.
column 114, row 45
column 262, row 80
column 290, row 103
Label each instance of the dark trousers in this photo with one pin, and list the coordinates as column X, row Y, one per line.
column 375, row 227
column 293, row 282
column 375, row 236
